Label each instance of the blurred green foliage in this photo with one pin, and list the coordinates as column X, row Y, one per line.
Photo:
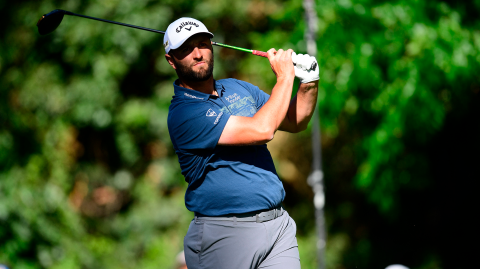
column 89, row 178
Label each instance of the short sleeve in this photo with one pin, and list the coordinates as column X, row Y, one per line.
column 196, row 126
column 258, row 95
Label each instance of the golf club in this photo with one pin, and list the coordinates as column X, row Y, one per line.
column 50, row 21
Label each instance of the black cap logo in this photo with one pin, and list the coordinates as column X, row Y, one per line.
column 186, row 23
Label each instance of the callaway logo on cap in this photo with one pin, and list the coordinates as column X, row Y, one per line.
column 181, row 30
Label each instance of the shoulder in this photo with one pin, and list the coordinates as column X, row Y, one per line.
column 233, row 81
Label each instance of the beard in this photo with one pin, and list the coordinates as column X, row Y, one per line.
column 187, row 73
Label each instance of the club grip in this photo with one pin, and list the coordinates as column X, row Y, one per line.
column 259, row 53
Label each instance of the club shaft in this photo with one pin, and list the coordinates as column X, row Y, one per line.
column 231, row 47
column 114, row 22
column 254, row 52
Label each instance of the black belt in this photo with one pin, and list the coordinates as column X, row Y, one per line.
column 257, row 216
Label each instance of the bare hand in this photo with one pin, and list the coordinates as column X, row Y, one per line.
column 281, row 63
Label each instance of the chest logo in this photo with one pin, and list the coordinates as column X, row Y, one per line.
column 211, row 113
column 233, row 98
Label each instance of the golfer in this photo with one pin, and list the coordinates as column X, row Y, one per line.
column 219, row 129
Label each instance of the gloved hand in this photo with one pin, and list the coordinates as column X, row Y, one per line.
column 306, row 67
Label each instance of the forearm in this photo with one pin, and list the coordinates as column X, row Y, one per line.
column 301, row 108
column 272, row 113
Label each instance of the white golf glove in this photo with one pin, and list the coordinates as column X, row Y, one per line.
column 306, row 67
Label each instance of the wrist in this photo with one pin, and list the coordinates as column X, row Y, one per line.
column 285, row 79
column 310, row 84
column 308, row 87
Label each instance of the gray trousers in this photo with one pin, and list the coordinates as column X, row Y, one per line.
column 240, row 245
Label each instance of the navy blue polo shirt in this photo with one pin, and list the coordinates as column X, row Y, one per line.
column 221, row 179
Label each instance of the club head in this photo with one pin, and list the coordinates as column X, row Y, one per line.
column 50, row 21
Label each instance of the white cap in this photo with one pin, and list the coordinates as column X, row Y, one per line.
column 180, row 259
column 181, row 30
column 396, row 266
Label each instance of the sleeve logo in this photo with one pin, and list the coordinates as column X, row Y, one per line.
column 211, row 113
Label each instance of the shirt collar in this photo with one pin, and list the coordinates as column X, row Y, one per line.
column 196, row 95
column 219, row 88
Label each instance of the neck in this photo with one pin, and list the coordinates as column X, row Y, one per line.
column 207, row 86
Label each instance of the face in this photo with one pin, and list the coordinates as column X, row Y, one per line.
column 193, row 61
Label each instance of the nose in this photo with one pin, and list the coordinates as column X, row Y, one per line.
column 196, row 53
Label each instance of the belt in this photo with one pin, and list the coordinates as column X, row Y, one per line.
column 257, row 216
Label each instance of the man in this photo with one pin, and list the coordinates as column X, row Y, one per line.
column 219, row 129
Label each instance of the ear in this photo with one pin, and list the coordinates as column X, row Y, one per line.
column 170, row 61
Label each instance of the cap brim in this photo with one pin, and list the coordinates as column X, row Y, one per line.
column 183, row 41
